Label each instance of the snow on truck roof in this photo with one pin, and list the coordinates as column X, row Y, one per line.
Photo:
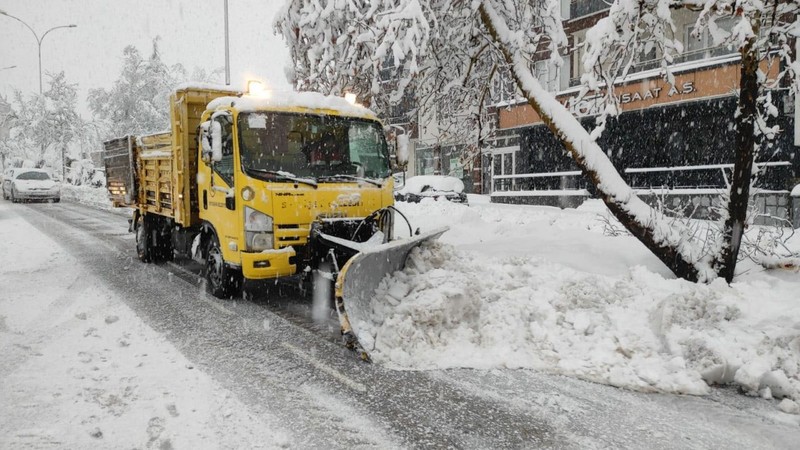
column 291, row 101
column 200, row 86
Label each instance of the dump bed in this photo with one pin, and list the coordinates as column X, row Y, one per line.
column 157, row 173
column 120, row 171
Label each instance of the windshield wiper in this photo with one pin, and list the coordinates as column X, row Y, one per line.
column 281, row 175
column 351, row 177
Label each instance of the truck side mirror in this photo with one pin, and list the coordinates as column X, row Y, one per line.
column 402, row 149
column 216, row 141
column 205, row 142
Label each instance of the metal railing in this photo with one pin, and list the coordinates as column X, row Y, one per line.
column 668, row 178
column 709, row 53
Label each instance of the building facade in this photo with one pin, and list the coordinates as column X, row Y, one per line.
column 672, row 143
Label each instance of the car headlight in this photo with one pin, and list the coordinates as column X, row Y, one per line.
column 258, row 230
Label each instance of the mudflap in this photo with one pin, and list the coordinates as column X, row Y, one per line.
column 360, row 277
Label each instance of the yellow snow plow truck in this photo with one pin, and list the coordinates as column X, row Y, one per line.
column 262, row 187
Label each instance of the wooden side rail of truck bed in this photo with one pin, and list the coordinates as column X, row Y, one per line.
column 155, row 155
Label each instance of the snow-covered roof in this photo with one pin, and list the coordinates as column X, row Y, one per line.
column 312, row 101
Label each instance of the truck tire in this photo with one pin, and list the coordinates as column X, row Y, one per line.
column 221, row 280
column 143, row 248
column 162, row 250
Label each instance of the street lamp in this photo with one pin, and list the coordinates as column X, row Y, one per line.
column 38, row 40
column 39, row 43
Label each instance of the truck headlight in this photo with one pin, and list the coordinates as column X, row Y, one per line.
column 258, row 230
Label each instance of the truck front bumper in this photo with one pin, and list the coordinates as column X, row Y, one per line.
column 269, row 264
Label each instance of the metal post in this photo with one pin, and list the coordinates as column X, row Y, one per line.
column 227, row 52
column 40, row 66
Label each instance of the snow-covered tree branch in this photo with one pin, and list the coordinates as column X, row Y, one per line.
column 445, row 53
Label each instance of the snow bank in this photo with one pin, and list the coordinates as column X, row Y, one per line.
column 88, row 195
column 641, row 331
column 492, row 294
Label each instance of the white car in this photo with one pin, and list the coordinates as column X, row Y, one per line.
column 432, row 186
column 30, row 184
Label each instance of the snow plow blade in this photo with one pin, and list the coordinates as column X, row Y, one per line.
column 360, row 277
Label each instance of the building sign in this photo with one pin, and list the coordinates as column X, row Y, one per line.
column 706, row 82
column 590, row 106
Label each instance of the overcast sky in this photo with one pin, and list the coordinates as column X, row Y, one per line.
column 192, row 33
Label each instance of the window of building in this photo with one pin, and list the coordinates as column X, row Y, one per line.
column 580, row 8
column 548, row 74
column 576, row 68
column 565, row 6
column 703, row 46
column 503, row 88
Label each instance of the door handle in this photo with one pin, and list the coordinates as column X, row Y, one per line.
column 205, row 199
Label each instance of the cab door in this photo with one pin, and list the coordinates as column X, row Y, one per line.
column 218, row 193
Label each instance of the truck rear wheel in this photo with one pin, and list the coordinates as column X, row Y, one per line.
column 221, row 280
column 162, row 250
column 143, row 247
column 153, row 241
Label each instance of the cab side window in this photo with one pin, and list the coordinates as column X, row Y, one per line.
column 224, row 168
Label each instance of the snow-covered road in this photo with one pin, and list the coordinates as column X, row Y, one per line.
column 99, row 350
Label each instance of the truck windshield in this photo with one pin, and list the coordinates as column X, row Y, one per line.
column 326, row 148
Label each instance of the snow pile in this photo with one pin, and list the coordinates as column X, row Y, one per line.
column 87, row 195
column 497, row 292
column 459, row 309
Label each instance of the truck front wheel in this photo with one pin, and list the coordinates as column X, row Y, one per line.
column 221, row 280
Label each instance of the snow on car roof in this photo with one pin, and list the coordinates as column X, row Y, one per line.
column 19, row 170
column 292, row 100
column 440, row 183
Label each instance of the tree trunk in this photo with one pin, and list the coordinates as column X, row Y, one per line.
column 668, row 254
column 725, row 263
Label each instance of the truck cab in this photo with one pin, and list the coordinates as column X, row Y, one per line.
column 278, row 174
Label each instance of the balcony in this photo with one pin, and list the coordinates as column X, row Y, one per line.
column 708, row 56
